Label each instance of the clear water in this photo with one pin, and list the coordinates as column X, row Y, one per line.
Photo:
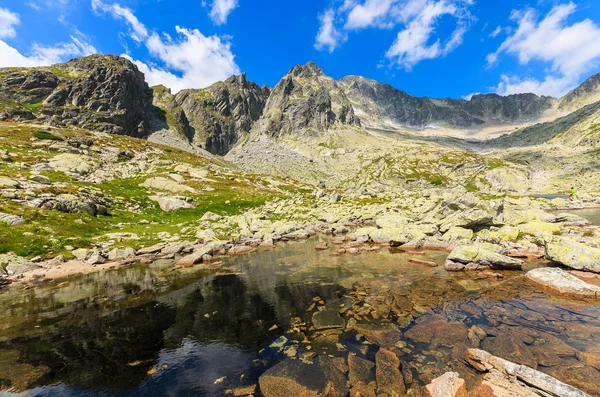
column 591, row 214
column 160, row 331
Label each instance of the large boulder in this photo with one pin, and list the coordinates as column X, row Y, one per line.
column 478, row 257
column 171, row 204
column 573, row 254
column 11, row 220
column 160, row 183
column 299, row 379
column 74, row 163
column 558, row 281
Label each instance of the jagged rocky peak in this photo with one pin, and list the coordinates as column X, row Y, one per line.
column 308, row 70
column 306, row 102
column 214, row 117
column 97, row 92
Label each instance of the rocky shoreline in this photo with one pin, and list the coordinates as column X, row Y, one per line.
column 479, row 234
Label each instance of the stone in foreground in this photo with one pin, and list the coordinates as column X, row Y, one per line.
column 327, row 319
column 557, row 281
column 448, row 385
column 299, row 379
column 11, row 220
column 529, row 382
column 479, row 257
column 574, row 255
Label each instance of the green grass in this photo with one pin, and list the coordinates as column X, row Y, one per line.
column 47, row 136
column 471, row 187
column 32, row 107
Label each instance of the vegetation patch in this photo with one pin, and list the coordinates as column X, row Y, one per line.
column 46, row 136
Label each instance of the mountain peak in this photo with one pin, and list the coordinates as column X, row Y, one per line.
column 308, row 70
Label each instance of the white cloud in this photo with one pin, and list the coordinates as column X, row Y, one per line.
column 370, row 13
column 191, row 60
column 496, row 32
column 8, row 21
column 41, row 55
column 570, row 49
column 138, row 31
column 416, row 41
column 328, row 36
column 220, row 10
column 469, row 96
column 411, row 45
column 550, row 86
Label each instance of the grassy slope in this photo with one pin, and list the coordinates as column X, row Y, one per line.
column 47, row 232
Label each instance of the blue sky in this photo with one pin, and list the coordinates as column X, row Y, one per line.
column 436, row 48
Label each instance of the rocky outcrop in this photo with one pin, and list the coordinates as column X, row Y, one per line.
column 11, row 220
column 306, row 102
column 557, row 281
column 215, row 117
column 99, row 92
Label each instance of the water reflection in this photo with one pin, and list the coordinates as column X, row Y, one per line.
column 157, row 330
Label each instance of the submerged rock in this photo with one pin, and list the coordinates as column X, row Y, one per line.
column 557, row 281
column 299, row 379
column 389, row 377
column 327, row 319
column 573, row 254
column 479, row 256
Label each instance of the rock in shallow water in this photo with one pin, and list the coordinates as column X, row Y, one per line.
column 573, row 254
column 448, row 385
column 479, row 256
column 557, row 281
column 299, row 379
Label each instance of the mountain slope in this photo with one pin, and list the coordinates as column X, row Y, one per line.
column 586, row 93
column 381, row 102
column 213, row 118
column 99, row 92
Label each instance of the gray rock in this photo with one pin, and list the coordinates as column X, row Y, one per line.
column 479, row 256
column 171, row 204
column 11, row 220
column 573, row 254
column 557, row 281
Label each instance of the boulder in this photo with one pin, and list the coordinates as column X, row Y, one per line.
column 11, row 220
column 210, row 216
column 385, row 335
column 121, row 253
column 539, row 228
column 44, row 180
column 387, row 372
column 7, row 183
column 14, row 265
column 360, row 370
column 171, row 204
column 558, row 281
column 75, row 163
column 478, row 257
column 448, row 385
column 362, row 389
column 197, row 256
column 299, row 379
column 573, row 254
column 510, row 379
column 458, row 233
column 167, row 184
